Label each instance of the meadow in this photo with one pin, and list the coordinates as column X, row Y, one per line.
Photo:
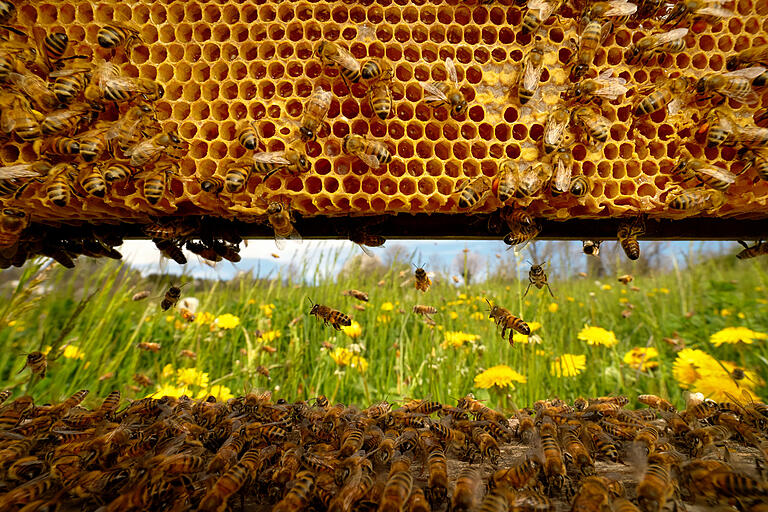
column 697, row 327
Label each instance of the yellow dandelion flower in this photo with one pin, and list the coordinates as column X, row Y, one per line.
column 639, row 358
column 732, row 335
column 169, row 390
column 477, row 315
column 741, row 315
column 191, row 377
column 170, row 318
column 353, row 331
column 456, row 339
column 72, row 352
column 268, row 336
column 553, row 307
column 167, row 371
column 543, row 353
column 453, row 315
column 762, row 301
column 203, row 318
column 665, row 291
column 383, row 319
column 725, row 312
column 689, row 364
column 568, row 365
column 251, row 301
column 718, row 387
column 341, row 356
column 359, row 363
column 597, row 336
column 534, row 326
column 570, row 299
column 527, row 302
column 387, row 306
column 623, row 300
column 267, row 309
column 222, row 393
column 522, row 338
column 46, row 350
column 606, row 287
column 623, row 291
column 501, row 376
column 227, row 321
column 463, row 296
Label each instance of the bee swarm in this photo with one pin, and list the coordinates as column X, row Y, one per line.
column 224, row 65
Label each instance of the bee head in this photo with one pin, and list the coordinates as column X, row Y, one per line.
column 701, row 85
column 207, row 185
column 460, row 107
column 306, row 134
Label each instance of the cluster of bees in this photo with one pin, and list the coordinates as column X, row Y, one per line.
column 180, row 454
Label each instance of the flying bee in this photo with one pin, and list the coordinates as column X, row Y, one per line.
column 605, row 86
column 597, row 127
column 172, row 296
column 425, row 311
column 446, row 93
column 119, row 33
column 279, row 217
column 538, row 278
column 37, row 362
column 315, row 110
column 667, row 93
column 665, row 42
column 736, row 85
column 688, row 168
column 357, row 294
column 380, row 99
column 591, row 247
column 330, row 316
column 629, row 231
column 759, row 249
column 561, row 179
column 154, row 148
column 754, row 55
column 421, row 280
column 696, row 199
column 331, row 54
column 626, row 279
column 708, row 9
column 373, row 153
column 60, row 184
column 528, row 81
column 539, row 12
column 294, row 161
column 506, row 320
column 12, row 223
column 93, row 181
column 249, row 136
column 36, row 89
column 472, row 192
column 117, row 172
column 554, row 129
column 522, row 229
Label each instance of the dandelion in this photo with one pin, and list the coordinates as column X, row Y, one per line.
column 597, row 336
column 204, row 318
column 568, row 365
column 167, row 371
column 73, row 352
column 267, row 309
column 606, row 287
column 639, row 358
column 453, row 315
column 477, row 315
column 553, row 307
column 267, row 336
column 170, row 318
column 570, row 299
column 359, row 363
column 383, row 319
column 341, row 356
column 191, row 377
column 463, row 296
column 501, row 376
column 227, row 321
column 387, row 306
column 222, row 393
column 456, row 339
column 623, row 300
column 353, row 331
column 741, row 315
column 733, row 335
column 522, row 338
column 719, row 387
column 534, row 326
column 689, row 364
column 665, row 291
column 169, row 390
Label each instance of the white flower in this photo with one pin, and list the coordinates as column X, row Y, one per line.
column 189, row 303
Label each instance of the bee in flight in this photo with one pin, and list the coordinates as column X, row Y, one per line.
column 506, row 320
column 446, row 93
column 759, row 249
column 591, row 247
column 328, row 315
column 357, row 294
column 37, row 363
column 279, row 217
column 171, row 297
column 538, row 278
column 421, row 280
column 373, row 153
column 331, row 54
column 315, row 110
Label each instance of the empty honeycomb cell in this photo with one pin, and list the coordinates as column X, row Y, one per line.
column 752, row 25
column 742, row 43
column 633, row 169
column 200, row 111
column 611, row 189
column 419, row 33
column 615, row 56
column 513, row 151
column 468, row 131
column 202, row 33
column 610, row 151
column 198, row 149
column 604, row 169
column 716, row 63
column 429, row 52
column 217, row 150
column 476, row 113
column 192, row 52
column 471, row 35
column 173, row 91
column 519, row 131
column 470, row 168
column 191, row 92
column 176, row 52
column 444, row 186
column 510, row 115
column 148, row 71
column 502, row 132
column 461, row 150
column 184, row 32
column 442, row 150
column 450, row 131
column 421, row 72
column 432, row 131
column 496, row 151
column 182, row 72
column 370, row 185
column 436, row 34
column 485, row 131
column 9, row 153
column 479, row 150
column 212, row 53
column 130, row 70
column 619, row 171
column 405, row 149
column 414, row 131
column 454, row 34
column 330, row 184
column 650, row 168
column 411, row 53
column 28, row 153
column 247, row 90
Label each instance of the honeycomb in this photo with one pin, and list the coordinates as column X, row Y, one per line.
column 226, row 63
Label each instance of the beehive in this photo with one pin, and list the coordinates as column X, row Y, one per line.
column 223, row 63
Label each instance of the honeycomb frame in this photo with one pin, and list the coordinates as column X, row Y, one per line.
column 222, row 63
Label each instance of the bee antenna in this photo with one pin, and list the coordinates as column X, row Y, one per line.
column 310, row 301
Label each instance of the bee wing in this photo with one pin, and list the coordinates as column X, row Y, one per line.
column 743, row 95
column 434, row 93
column 271, row 157
column 345, row 59
column 544, row 7
column 612, row 90
column 672, row 35
column 122, row 124
column 125, row 83
column 753, row 133
column 716, row 12
column 537, row 4
column 621, row 8
column 17, row 171
column 562, row 176
column 323, row 98
column 719, row 174
column 280, row 239
column 30, row 84
column 533, row 178
column 674, row 106
column 531, row 75
column 66, row 72
column 369, row 160
column 553, row 131
column 748, row 73
column 366, row 250
column 460, row 185
column 103, row 71
column 449, row 66
column 7, row 121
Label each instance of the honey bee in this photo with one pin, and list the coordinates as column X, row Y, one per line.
column 171, row 297
column 474, row 191
column 533, row 65
column 149, row 346
column 688, row 168
column 36, row 89
column 53, row 47
column 37, row 363
column 709, row 9
column 315, row 110
column 279, row 217
column 292, row 160
column 625, row 280
column 376, row 69
column 106, row 83
column 756, row 158
column 553, row 466
column 446, row 93
column 380, row 99
column 753, row 55
column 522, row 228
column 577, row 453
column 18, row 117
column 357, row 294
column 561, row 179
column 506, row 320
column 373, row 153
column 759, row 249
column 329, row 315
column 15, row 178
column 248, row 136
column 93, row 181
column 69, row 83
column 592, row 496
column 7, row 11
column 539, row 12
column 538, row 278
column 655, row 488
column 119, row 33
column 142, row 380
column 117, row 172
column 331, row 54
column 425, row 311
column 421, row 280
column 591, row 247
column 230, row 482
column 696, row 199
column 554, row 129
column 153, row 148
column 397, row 489
column 665, row 42
column 597, row 127
column 66, row 121
column 629, row 231
column 736, row 85
column 466, row 491
column 518, row 476
column 170, row 249
column 592, row 36
column 156, row 180
column 437, row 480
column 580, row 186
column 60, row 183
column 128, row 126
column 667, row 93
column 605, row 86
column 300, row 495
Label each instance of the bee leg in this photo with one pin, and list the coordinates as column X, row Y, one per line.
column 550, row 290
column 743, row 244
column 526, row 290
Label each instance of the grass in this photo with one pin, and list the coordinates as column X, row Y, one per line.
column 405, row 357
